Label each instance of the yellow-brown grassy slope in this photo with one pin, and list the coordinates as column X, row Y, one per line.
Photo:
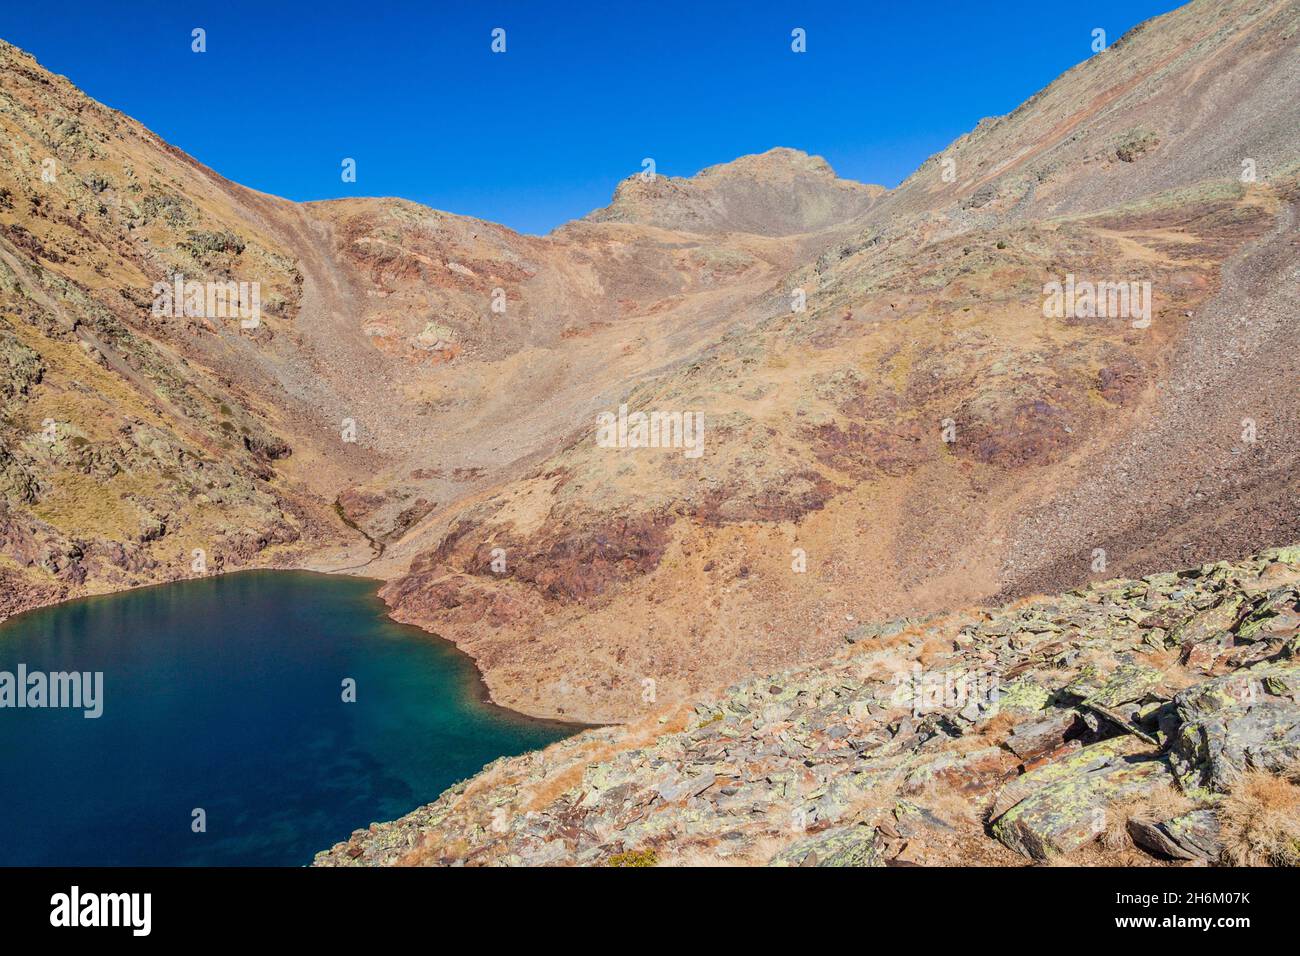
column 923, row 435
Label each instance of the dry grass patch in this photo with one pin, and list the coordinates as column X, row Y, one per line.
column 757, row 852
column 1259, row 821
column 948, row 804
column 997, row 728
column 935, row 649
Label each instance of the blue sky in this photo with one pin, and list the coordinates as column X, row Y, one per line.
column 542, row 133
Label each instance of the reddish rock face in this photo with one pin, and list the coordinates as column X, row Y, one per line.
column 1031, row 433
column 784, row 498
column 871, row 449
column 1121, row 383
column 356, row 504
column 561, row 566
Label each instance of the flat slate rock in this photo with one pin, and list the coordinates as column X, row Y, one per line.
column 854, row 845
column 1071, row 812
column 1192, row 836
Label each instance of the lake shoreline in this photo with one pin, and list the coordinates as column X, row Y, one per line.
column 250, row 664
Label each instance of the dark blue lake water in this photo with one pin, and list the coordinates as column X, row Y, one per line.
column 225, row 694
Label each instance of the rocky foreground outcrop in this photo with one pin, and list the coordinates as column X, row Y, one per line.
column 1131, row 721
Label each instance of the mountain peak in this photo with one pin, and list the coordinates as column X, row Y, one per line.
column 779, row 192
column 779, row 161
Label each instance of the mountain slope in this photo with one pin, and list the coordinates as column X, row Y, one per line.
column 1078, row 445
column 450, row 351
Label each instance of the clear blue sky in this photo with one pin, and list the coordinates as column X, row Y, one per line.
column 542, row 134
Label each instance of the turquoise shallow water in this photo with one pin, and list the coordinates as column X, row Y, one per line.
column 224, row 694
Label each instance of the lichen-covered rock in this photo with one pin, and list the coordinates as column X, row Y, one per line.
column 854, row 845
column 1209, row 623
column 1127, row 683
column 875, row 630
column 1070, row 765
column 972, row 772
column 1246, row 720
column 1064, row 815
column 1277, row 612
column 20, row 367
column 17, row 483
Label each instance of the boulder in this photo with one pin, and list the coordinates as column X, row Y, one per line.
column 1208, row 623
column 1202, row 655
column 854, row 845
column 1065, row 815
column 1036, row 737
column 1246, row 720
column 1070, row 764
column 972, row 772
column 1272, row 614
column 1192, row 836
column 1126, row 684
